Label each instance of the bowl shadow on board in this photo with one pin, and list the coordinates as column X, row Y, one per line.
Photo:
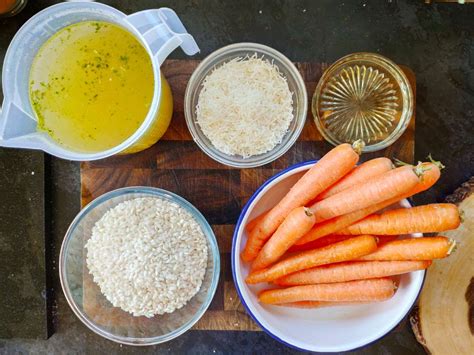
column 331, row 329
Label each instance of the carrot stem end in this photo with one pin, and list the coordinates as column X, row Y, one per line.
column 440, row 165
column 452, row 246
column 358, row 146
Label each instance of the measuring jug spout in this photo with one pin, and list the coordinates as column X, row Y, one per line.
column 163, row 31
column 17, row 128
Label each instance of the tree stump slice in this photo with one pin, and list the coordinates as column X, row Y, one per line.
column 444, row 320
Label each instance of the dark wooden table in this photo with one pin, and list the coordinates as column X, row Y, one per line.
column 434, row 40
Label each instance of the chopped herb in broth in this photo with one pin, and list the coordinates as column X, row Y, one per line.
column 91, row 86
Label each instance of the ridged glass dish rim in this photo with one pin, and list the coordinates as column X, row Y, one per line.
column 153, row 192
column 225, row 54
column 394, row 70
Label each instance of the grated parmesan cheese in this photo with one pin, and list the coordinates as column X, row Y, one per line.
column 245, row 106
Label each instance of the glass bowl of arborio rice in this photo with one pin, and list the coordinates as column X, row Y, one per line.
column 245, row 105
column 139, row 265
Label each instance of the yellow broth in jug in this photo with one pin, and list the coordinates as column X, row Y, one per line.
column 91, row 86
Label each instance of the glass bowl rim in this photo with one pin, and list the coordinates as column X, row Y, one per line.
column 153, row 192
column 392, row 68
column 202, row 70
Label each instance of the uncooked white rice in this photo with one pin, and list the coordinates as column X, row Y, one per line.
column 148, row 256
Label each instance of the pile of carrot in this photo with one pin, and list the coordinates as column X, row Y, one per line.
column 331, row 242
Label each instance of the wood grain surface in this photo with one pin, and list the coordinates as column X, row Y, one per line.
column 446, row 303
column 177, row 164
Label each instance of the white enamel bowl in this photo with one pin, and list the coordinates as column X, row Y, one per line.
column 326, row 329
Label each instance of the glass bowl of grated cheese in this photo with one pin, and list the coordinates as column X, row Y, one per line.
column 245, row 105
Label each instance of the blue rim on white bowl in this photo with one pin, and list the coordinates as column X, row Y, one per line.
column 71, row 268
column 318, row 320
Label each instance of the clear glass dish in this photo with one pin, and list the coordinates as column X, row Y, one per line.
column 295, row 83
column 363, row 96
column 93, row 309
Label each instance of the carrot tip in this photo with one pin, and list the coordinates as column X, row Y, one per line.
column 358, row 146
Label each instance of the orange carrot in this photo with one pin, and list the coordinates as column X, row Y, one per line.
column 349, row 271
column 346, row 250
column 388, row 185
column 319, row 243
column 382, row 239
column 295, row 225
column 254, row 222
column 358, row 175
column 320, row 304
column 437, row 217
column 352, row 291
column 378, row 189
column 333, row 225
column 431, row 174
column 426, row 248
column 334, row 238
column 329, row 169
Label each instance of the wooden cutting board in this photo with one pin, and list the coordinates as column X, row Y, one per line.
column 177, row 164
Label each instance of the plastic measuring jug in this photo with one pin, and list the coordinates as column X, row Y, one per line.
column 160, row 31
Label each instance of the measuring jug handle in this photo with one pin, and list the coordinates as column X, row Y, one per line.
column 163, row 31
